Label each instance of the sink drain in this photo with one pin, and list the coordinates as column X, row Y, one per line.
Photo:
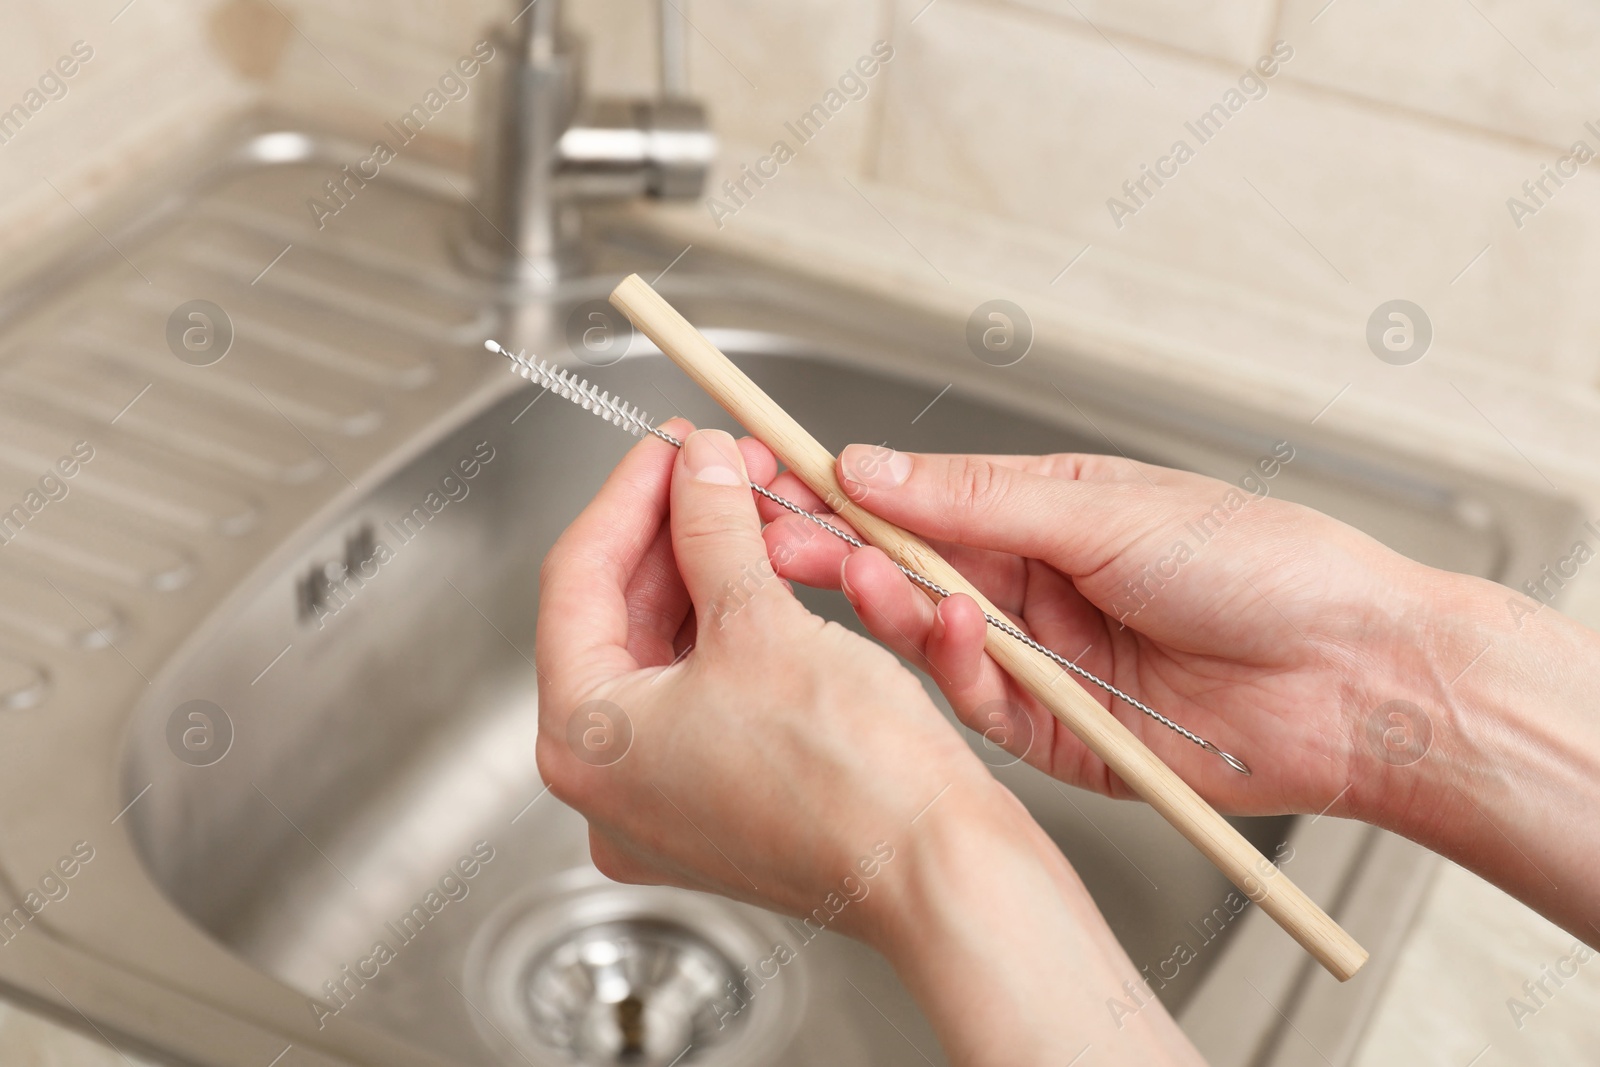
column 587, row 972
column 638, row 991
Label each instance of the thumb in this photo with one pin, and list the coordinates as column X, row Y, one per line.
column 716, row 533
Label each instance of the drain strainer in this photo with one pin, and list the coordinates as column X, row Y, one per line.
column 637, row 991
column 584, row 972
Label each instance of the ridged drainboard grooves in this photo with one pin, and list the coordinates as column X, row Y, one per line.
column 124, row 468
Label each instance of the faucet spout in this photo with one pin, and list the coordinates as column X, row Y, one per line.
column 537, row 28
column 543, row 148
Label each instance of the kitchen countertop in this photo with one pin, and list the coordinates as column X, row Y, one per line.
column 29, row 1040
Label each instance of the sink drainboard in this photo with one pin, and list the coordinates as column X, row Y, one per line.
column 589, row 973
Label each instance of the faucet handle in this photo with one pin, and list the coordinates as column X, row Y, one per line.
column 622, row 147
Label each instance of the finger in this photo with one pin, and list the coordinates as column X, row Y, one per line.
column 1089, row 467
column 946, row 637
column 804, row 552
column 897, row 613
column 986, row 699
column 658, row 603
column 716, row 534
column 983, row 696
column 1001, row 576
column 1068, row 465
column 948, row 641
column 1076, row 525
column 801, row 551
column 759, row 462
column 800, row 548
column 583, row 624
column 955, row 643
column 792, row 489
column 802, row 557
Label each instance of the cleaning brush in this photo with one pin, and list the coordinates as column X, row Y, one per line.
column 619, row 413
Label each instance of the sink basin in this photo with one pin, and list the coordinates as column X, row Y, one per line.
column 402, row 731
column 291, row 702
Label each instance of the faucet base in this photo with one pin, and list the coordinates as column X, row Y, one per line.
column 520, row 273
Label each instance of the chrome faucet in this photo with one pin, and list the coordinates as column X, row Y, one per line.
column 543, row 148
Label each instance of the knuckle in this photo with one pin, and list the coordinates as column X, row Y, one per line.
column 550, row 564
column 607, row 862
column 1073, row 466
column 717, row 531
column 974, row 485
column 613, row 862
column 555, row 768
column 699, row 532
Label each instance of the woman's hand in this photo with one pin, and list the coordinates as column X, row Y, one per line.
column 1353, row 681
column 1266, row 627
column 718, row 736
column 773, row 756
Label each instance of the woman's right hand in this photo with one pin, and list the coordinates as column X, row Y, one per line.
column 1270, row 629
column 1351, row 679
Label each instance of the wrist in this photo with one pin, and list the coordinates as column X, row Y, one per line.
column 1001, row 945
column 1409, row 751
column 1495, row 731
column 945, row 862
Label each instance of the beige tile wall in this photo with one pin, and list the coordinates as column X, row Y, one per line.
column 1327, row 200
column 1232, row 29
column 153, row 83
column 1525, row 70
column 766, row 64
column 1378, row 165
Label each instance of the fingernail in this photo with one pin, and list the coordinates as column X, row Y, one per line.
column 938, row 621
column 875, row 466
column 844, row 583
column 710, row 456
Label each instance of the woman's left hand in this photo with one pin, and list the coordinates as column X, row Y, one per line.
column 716, row 734
column 719, row 736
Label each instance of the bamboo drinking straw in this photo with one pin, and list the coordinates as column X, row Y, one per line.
column 1124, row 753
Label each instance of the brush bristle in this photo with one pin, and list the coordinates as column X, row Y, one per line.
column 589, row 397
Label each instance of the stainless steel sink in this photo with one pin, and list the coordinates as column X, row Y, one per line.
column 271, row 652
